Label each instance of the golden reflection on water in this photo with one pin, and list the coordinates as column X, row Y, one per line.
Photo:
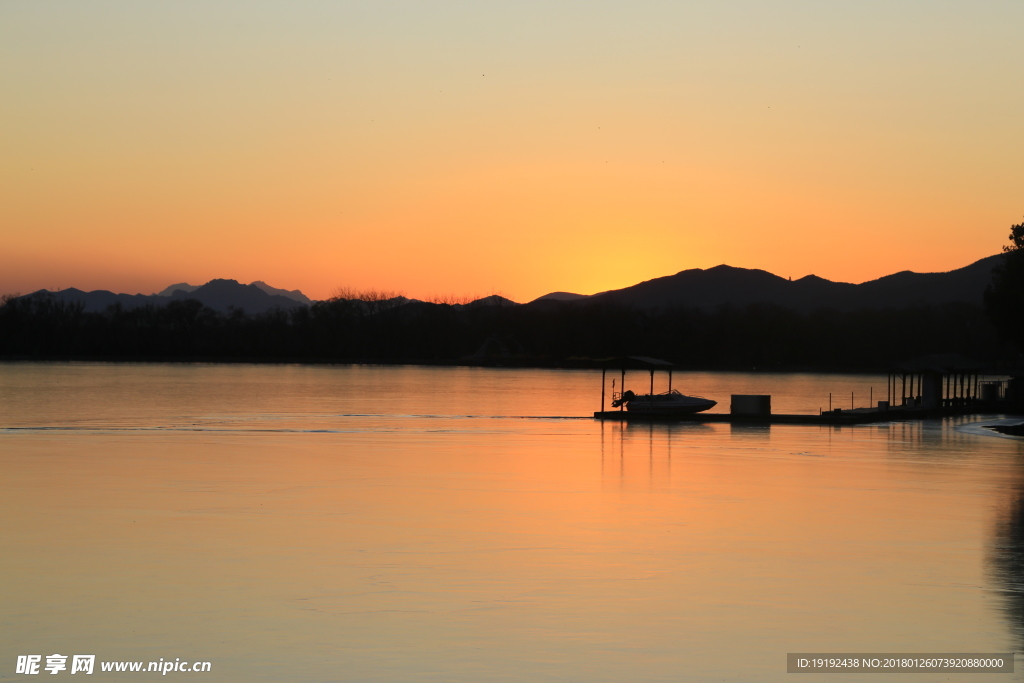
column 398, row 548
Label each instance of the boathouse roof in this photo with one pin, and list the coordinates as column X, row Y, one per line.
column 636, row 362
column 942, row 363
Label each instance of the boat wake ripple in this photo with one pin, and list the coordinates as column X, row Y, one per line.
column 231, row 425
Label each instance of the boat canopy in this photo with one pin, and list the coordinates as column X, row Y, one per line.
column 624, row 363
column 636, row 363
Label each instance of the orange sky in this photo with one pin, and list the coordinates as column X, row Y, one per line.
column 521, row 149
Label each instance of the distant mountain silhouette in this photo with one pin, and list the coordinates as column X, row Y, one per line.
column 561, row 296
column 694, row 288
column 220, row 295
column 741, row 286
column 291, row 294
column 492, row 300
column 101, row 299
column 227, row 295
column 184, row 286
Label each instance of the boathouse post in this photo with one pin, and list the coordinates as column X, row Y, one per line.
column 946, row 381
column 603, row 372
column 622, row 386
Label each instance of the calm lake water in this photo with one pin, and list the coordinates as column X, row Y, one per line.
column 292, row 523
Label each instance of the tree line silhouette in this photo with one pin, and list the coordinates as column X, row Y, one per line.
column 1004, row 297
column 546, row 333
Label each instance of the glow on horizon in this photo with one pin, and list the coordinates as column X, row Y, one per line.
column 520, row 149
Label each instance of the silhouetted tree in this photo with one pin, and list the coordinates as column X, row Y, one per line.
column 1004, row 298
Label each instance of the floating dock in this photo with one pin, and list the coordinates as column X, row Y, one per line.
column 932, row 387
column 833, row 417
column 845, row 419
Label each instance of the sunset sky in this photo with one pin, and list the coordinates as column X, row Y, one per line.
column 515, row 147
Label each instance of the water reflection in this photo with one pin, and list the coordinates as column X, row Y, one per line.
column 759, row 432
column 1007, row 560
column 389, row 537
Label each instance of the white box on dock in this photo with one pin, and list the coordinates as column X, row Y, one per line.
column 751, row 404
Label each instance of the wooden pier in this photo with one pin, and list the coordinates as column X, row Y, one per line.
column 930, row 387
column 833, row 417
column 849, row 418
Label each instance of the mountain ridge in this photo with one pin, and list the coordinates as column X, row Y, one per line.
column 729, row 285
column 224, row 296
column 691, row 288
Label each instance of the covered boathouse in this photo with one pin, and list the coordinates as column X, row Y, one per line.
column 946, row 380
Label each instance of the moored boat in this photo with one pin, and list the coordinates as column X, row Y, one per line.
column 670, row 402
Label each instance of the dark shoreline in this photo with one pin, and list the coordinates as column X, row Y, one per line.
column 755, row 338
column 506, row 363
column 1009, row 430
column 510, row 363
